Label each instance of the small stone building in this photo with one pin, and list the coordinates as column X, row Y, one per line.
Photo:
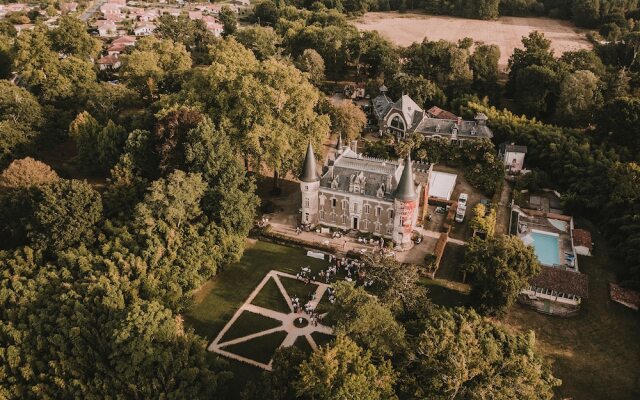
column 513, row 156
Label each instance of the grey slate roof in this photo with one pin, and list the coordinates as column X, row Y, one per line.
column 381, row 105
column 374, row 172
column 406, row 189
column 309, row 167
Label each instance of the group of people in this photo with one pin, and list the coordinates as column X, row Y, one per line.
column 307, row 308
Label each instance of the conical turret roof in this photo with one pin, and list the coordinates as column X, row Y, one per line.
column 339, row 144
column 309, row 173
column 406, row 189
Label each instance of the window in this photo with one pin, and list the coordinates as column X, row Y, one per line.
column 390, row 214
column 344, row 219
column 334, row 202
column 345, row 204
column 306, row 187
column 322, row 199
column 377, row 224
column 367, row 209
column 321, row 214
column 389, row 229
column 397, row 124
column 355, row 207
column 306, row 203
column 366, row 224
column 378, row 211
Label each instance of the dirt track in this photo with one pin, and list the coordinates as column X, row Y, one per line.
column 506, row 32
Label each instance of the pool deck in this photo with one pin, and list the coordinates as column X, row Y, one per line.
column 548, row 223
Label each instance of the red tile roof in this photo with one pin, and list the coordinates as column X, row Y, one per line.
column 582, row 237
column 437, row 112
column 562, row 280
column 628, row 297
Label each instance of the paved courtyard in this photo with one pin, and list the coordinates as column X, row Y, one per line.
column 287, row 321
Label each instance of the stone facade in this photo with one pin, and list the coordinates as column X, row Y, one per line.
column 364, row 194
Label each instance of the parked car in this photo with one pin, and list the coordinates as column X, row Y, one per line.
column 462, row 199
column 460, row 212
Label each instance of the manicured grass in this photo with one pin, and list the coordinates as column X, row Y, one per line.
column 298, row 289
column 259, row 349
column 270, row 297
column 321, row 339
column 248, row 323
column 218, row 299
column 303, row 344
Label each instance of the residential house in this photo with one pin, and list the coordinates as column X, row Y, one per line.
column 213, row 26
column 627, row 297
column 512, row 156
column 404, row 118
column 126, row 40
column 111, row 10
column 108, row 62
column 107, row 28
column 68, row 7
column 144, row 29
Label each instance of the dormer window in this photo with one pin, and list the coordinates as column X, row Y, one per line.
column 438, row 128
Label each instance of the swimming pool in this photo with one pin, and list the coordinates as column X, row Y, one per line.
column 546, row 247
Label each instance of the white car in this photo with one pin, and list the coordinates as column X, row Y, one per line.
column 460, row 212
column 462, row 199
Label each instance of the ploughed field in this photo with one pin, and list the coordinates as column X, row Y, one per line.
column 505, row 32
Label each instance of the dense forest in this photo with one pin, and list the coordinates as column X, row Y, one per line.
column 94, row 277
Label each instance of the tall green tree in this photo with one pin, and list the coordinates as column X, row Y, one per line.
column 229, row 21
column 580, row 98
column 501, row 267
column 344, row 370
column 65, row 215
column 460, row 355
column 70, row 37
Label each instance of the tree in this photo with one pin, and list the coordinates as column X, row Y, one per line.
column 423, row 91
column 27, row 172
column 580, row 98
column 397, row 285
column 278, row 384
column 312, row 63
column 18, row 106
column 229, row 21
column 6, row 54
column 265, row 12
column 537, row 51
column 192, row 33
column 483, row 221
column 14, row 140
column 344, row 370
column 535, row 88
column 501, row 267
column 623, row 127
column 368, row 322
column 347, row 119
column 98, row 147
column 583, row 60
column 155, row 66
column 70, row 37
column 263, row 41
column 484, row 64
column 460, row 355
column 65, row 215
column 586, row 12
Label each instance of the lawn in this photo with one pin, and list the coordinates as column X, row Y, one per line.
column 217, row 301
column 596, row 354
column 248, row 323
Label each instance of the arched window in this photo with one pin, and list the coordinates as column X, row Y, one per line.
column 397, row 124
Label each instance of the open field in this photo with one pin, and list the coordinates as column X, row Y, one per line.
column 506, row 32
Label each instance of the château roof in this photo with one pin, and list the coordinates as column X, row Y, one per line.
column 309, row 167
column 406, row 189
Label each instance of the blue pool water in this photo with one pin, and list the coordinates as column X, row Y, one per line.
column 546, row 248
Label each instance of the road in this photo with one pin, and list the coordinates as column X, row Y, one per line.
column 92, row 9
